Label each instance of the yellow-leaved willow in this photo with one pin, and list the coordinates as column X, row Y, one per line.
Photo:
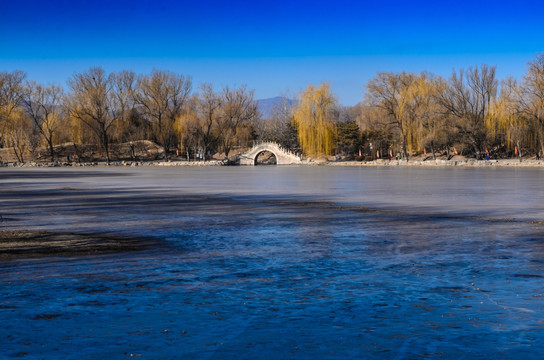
column 314, row 118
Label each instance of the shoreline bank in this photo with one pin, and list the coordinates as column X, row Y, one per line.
column 400, row 163
column 443, row 163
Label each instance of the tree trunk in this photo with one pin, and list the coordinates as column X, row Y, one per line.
column 106, row 147
column 226, row 149
column 162, row 137
column 404, row 150
column 165, row 148
column 18, row 154
column 78, row 153
column 477, row 152
column 133, row 151
column 51, row 149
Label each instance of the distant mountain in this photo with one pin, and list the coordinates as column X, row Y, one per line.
column 266, row 106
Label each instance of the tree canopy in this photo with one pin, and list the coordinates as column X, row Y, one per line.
column 401, row 114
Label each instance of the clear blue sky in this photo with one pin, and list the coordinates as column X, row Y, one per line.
column 272, row 46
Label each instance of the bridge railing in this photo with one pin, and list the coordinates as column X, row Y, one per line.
column 261, row 143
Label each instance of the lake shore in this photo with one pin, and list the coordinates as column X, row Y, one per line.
column 456, row 161
column 442, row 163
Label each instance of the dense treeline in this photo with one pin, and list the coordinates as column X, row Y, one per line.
column 124, row 107
column 402, row 114
column 470, row 113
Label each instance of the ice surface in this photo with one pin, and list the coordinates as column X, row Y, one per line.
column 279, row 262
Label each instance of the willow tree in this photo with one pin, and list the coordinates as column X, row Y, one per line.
column 188, row 128
column 419, row 113
column 315, row 118
column 11, row 90
column 394, row 94
column 20, row 133
column 506, row 118
column 400, row 97
column 430, row 130
column 405, row 105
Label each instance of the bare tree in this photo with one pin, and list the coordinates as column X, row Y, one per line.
column 532, row 96
column 160, row 96
column 43, row 106
column 92, row 102
column 209, row 106
column 278, row 127
column 377, row 131
column 393, row 94
column 131, row 126
column 123, row 88
column 238, row 112
column 467, row 97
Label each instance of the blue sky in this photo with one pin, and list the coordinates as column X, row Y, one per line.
column 274, row 46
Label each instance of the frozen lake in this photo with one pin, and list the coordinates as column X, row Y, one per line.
column 279, row 262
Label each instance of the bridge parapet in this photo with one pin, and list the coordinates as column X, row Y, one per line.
column 283, row 156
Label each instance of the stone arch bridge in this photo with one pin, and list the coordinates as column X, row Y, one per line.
column 283, row 156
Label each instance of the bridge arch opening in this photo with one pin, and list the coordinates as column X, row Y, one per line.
column 265, row 157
